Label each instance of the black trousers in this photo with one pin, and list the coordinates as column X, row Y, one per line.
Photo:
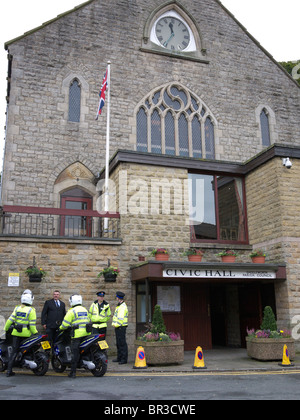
column 122, row 347
column 15, row 347
column 75, row 343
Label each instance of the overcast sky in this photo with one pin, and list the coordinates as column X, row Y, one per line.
column 274, row 23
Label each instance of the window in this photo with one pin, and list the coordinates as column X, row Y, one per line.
column 265, row 128
column 217, row 211
column 72, row 225
column 173, row 121
column 74, row 101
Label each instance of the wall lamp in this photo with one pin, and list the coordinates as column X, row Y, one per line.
column 287, row 163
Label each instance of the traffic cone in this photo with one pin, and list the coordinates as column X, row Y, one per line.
column 199, row 359
column 140, row 359
column 285, row 358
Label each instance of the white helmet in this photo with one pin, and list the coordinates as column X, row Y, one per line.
column 27, row 297
column 75, row 300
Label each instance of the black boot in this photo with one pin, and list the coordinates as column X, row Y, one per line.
column 72, row 374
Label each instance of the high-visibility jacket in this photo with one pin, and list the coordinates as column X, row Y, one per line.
column 24, row 320
column 120, row 318
column 99, row 314
column 76, row 317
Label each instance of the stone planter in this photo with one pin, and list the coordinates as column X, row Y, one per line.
column 161, row 353
column 269, row 348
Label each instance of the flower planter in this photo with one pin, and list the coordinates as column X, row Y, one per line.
column 110, row 278
column 161, row 257
column 267, row 349
column 162, row 353
column 35, row 278
column 228, row 258
column 258, row 260
column 195, row 258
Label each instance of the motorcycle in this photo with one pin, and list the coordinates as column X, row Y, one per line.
column 28, row 354
column 93, row 356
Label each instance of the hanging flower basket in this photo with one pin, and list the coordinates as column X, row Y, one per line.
column 110, row 274
column 34, row 273
column 35, row 278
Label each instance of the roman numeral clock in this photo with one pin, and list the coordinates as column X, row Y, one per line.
column 172, row 33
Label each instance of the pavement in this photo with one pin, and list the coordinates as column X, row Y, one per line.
column 216, row 360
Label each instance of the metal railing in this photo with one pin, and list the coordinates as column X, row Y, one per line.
column 58, row 223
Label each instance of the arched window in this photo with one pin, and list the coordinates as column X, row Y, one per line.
column 173, row 121
column 265, row 128
column 74, row 101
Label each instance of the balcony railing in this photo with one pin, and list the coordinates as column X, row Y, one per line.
column 58, row 223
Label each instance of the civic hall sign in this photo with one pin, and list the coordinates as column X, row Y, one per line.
column 219, row 273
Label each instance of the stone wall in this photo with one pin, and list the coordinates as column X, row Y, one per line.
column 273, row 217
column 237, row 79
column 71, row 267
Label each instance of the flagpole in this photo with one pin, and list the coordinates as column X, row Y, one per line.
column 106, row 202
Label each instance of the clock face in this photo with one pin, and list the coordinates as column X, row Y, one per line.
column 172, row 33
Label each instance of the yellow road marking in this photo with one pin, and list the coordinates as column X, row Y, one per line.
column 173, row 374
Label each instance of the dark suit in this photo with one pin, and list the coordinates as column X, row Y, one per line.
column 52, row 316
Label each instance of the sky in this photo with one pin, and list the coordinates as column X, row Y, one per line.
column 273, row 23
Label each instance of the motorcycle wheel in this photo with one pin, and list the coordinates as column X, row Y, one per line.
column 57, row 365
column 3, row 366
column 100, row 361
column 42, row 365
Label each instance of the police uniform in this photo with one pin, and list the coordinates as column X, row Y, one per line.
column 77, row 318
column 99, row 314
column 120, row 322
column 24, row 320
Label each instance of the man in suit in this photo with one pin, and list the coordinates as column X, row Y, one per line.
column 53, row 313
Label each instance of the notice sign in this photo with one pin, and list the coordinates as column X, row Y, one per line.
column 221, row 274
column 168, row 298
column 13, row 280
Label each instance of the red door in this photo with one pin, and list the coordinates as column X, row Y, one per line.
column 250, row 310
column 197, row 323
column 75, row 226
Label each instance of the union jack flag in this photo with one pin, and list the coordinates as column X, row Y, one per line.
column 103, row 89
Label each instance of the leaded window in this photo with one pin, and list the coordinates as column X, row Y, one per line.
column 265, row 128
column 74, row 101
column 173, row 121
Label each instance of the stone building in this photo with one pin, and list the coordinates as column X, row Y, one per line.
column 201, row 120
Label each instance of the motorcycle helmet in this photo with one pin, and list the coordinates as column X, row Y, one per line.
column 27, row 297
column 75, row 300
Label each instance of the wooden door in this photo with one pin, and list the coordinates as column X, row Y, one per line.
column 196, row 317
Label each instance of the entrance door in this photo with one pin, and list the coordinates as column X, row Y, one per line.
column 197, row 322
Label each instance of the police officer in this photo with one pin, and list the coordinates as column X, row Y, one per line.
column 76, row 318
column 120, row 322
column 24, row 320
column 99, row 314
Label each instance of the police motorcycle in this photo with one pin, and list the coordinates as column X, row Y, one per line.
column 28, row 356
column 28, row 353
column 93, row 356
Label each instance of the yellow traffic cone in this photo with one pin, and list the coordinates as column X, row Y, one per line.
column 285, row 358
column 140, row 359
column 199, row 359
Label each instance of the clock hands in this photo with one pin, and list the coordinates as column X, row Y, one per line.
column 165, row 44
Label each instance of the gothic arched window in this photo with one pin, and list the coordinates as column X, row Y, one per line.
column 265, row 128
column 173, row 121
column 74, row 101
